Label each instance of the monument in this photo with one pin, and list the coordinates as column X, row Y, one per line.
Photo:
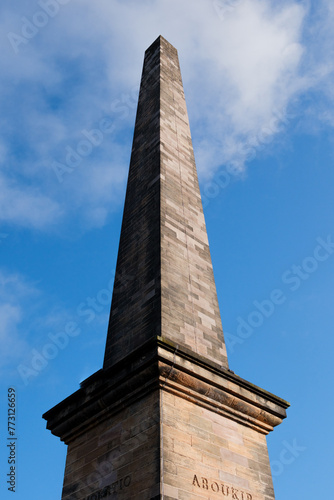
column 165, row 418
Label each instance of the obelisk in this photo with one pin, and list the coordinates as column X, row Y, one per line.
column 165, row 418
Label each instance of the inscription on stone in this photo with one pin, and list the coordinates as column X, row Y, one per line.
column 111, row 489
column 219, row 487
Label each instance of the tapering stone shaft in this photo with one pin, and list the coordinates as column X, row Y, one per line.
column 164, row 284
column 165, row 419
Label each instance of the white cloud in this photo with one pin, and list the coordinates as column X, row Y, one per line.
column 241, row 70
column 252, row 76
column 15, row 291
column 318, row 67
column 14, row 286
column 24, row 206
column 27, row 316
column 9, row 317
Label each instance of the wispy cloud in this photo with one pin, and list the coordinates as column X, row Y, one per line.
column 26, row 206
column 27, row 316
column 15, row 292
column 244, row 74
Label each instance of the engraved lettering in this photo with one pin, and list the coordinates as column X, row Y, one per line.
column 234, row 494
column 105, row 492
column 127, row 481
column 215, row 487
column 225, row 490
column 195, row 481
column 111, row 489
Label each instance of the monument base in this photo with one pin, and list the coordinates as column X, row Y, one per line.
column 165, row 423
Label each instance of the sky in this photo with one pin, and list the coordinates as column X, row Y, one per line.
column 258, row 78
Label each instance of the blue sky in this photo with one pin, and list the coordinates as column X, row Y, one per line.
column 258, row 78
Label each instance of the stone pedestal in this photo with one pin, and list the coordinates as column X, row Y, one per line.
column 165, row 423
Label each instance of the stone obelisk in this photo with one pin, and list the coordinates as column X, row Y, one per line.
column 165, row 418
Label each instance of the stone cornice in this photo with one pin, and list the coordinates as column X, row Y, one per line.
column 104, row 393
column 220, row 390
column 161, row 364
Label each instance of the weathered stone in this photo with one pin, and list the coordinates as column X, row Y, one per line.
column 164, row 282
column 165, row 417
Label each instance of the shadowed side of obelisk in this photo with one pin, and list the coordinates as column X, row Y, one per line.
column 136, row 304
